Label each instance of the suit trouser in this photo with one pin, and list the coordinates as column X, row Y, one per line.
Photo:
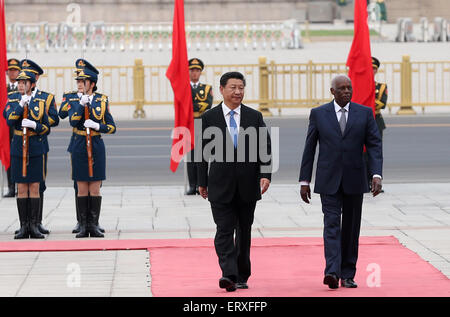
column 341, row 237
column 233, row 237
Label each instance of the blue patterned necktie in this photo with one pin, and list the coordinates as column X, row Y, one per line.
column 233, row 128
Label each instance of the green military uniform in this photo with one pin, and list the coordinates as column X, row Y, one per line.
column 380, row 103
column 381, row 95
column 202, row 99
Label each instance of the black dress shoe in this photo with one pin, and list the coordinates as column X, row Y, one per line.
column 242, row 285
column 331, row 280
column 10, row 194
column 228, row 284
column 190, row 191
column 348, row 283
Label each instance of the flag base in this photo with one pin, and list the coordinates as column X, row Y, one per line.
column 406, row 111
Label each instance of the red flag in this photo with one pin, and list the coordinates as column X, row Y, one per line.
column 359, row 59
column 4, row 129
column 178, row 74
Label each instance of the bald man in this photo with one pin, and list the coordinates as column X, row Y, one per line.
column 342, row 128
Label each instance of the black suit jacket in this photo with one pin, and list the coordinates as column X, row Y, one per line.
column 341, row 156
column 245, row 166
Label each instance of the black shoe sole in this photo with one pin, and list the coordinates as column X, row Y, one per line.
column 227, row 284
column 241, row 286
column 348, row 286
column 332, row 282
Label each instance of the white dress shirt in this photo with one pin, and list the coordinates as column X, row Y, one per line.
column 237, row 116
column 338, row 111
column 13, row 86
column 337, row 108
column 195, row 85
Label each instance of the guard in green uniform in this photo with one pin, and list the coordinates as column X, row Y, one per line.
column 12, row 73
column 202, row 97
column 381, row 95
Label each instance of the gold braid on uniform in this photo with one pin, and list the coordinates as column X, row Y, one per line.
column 378, row 103
column 202, row 102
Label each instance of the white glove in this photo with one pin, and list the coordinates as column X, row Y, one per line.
column 27, row 123
column 84, row 100
column 25, row 99
column 92, row 124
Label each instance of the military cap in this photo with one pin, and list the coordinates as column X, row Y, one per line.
column 375, row 63
column 196, row 63
column 29, row 65
column 82, row 64
column 87, row 74
column 14, row 64
column 27, row 75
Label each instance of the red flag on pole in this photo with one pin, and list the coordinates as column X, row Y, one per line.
column 178, row 74
column 4, row 129
column 359, row 59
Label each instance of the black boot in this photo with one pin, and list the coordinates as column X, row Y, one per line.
column 24, row 232
column 191, row 190
column 96, row 224
column 34, row 218
column 76, row 229
column 41, row 228
column 94, row 215
column 83, row 203
column 11, row 186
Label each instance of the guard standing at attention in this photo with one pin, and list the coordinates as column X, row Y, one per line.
column 202, row 97
column 52, row 112
column 73, row 98
column 12, row 73
column 25, row 111
column 381, row 96
column 90, row 117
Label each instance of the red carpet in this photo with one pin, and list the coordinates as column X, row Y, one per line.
column 293, row 267
column 282, row 267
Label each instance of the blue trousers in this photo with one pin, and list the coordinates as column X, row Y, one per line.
column 341, row 236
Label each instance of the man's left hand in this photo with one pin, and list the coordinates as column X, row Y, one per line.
column 376, row 186
column 265, row 182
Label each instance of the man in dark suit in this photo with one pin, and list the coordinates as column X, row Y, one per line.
column 342, row 128
column 240, row 171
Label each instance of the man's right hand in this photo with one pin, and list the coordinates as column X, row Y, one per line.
column 305, row 193
column 203, row 192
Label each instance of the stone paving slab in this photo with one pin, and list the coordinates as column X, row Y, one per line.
column 417, row 214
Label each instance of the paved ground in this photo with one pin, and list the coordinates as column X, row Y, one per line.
column 417, row 214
